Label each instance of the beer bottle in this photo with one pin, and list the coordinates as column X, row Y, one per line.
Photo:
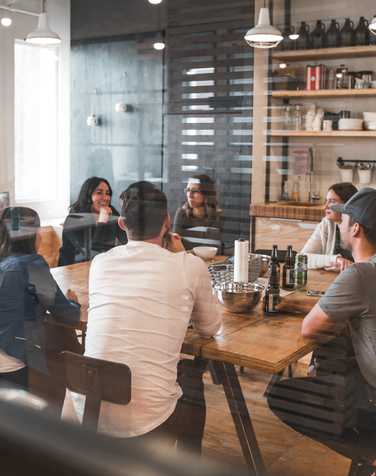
column 274, row 260
column 272, row 298
column 288, row 280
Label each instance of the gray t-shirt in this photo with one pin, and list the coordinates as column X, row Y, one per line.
column 351, row 299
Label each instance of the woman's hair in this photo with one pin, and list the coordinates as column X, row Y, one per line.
column 84, row 201
column 345, row 190
column 4, row 240
column 28, row 223
column 207, row 187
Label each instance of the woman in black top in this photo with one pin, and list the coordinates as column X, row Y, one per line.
column 199, row 211
column 91, row 226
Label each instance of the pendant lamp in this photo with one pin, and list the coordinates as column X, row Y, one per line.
column 263, row 35
column 43, row 35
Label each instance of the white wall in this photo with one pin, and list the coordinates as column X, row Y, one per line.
column 59, row 19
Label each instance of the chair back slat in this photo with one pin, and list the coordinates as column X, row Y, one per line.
column 99, row 380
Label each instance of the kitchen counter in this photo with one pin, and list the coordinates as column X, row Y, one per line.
column 288, row 210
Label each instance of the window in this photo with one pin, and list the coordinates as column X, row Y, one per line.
column 36, row 124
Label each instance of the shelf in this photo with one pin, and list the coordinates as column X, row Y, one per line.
column 326, row 53
column 325, row 93
column 333, row 134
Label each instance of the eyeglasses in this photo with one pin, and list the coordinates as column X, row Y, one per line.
column 191, row 190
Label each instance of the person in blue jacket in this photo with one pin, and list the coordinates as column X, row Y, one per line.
column 27, row 291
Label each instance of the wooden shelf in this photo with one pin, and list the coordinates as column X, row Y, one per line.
column 324, row 93
column 333, row 134
column 326, row 53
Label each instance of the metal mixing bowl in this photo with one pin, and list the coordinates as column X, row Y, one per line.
column 239, row 297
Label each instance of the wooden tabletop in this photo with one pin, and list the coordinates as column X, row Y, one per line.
column 252, row 340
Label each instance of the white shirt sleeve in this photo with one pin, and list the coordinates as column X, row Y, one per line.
column 316, row 254
column 206, row 314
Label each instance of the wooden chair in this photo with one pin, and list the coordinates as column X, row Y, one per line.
column 98, row 380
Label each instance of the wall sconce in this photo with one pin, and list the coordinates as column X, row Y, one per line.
column 93, row 120
column 122, row 107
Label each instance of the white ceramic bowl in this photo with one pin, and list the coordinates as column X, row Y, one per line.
column 369, row 116
column 205, row 252
column 370, row 125
column 350, row 124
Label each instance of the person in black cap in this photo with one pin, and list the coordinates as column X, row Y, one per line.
column 349, row 303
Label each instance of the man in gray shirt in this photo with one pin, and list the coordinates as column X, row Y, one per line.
column 351, row 299
column 349, row 303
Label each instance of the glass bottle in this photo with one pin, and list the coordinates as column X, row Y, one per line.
column 288, row 280
column 298, row 117
column 272, row 292
column 301, row 272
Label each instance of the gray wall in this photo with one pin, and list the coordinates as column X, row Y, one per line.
column 105, row 18
column 126, row 147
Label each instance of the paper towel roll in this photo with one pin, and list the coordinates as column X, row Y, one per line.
column 241, row 261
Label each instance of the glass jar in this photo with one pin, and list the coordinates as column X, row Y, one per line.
column 298, row 117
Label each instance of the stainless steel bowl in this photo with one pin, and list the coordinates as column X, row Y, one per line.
column 237, row 297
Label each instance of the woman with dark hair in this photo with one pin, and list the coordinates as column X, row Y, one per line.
column 27, row 291
column 199, row 211
column 324, row 248
column 91, row 226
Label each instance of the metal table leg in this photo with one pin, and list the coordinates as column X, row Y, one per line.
column 240, row 415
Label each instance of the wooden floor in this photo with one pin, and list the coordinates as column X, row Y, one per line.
column 286, row 452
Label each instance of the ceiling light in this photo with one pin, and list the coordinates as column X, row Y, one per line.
column 155, row 2
column 372, row 25
column 43, row 35
column 6, row 21
column 159, row 45
column 282, row 65
column 263, row 35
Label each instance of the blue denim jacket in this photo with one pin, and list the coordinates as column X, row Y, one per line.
column 27, row 290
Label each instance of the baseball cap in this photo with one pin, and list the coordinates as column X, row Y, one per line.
column 361, row 207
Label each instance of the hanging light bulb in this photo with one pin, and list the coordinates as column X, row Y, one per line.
column 6, row 21
column 159, row 45
column 155, row 2
column 263, row 35
column 372, row 25
column 43, row 35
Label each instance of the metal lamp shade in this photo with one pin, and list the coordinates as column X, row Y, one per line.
column 263, row 35
column 43, row 35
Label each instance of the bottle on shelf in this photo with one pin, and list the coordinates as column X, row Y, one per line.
column 333, row 35
column 318, row 38
column 301, row 272
column 361, row 33
column 347, row 33
column 272, row 292
column 288, row 281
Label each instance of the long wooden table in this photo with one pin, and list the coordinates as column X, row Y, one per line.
column 255, row 341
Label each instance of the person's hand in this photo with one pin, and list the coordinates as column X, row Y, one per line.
column 339, row 265
column 174, row 242
column 104, row 214
column 72, row 296
column 342, row 263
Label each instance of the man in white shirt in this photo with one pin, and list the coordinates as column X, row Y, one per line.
column 142, row 298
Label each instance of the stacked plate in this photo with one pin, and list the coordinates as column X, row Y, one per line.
column 369, row 121
column 345, row 124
